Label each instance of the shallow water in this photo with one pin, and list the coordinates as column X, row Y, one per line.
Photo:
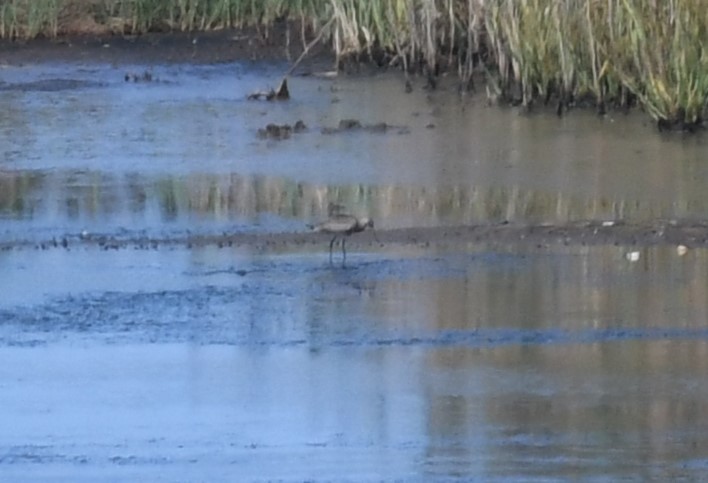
column 494, row 363
column 182, row 152
column 210, row 363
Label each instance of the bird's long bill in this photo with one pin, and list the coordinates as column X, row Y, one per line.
column 373, row 232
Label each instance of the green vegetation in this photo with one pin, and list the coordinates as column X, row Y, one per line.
column 611, row 53
column 29, row 18
column 607, row 51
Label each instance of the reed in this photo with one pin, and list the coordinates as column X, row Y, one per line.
column 606, row 52
column 664, row 60
column 27, row 19
column 610, row 51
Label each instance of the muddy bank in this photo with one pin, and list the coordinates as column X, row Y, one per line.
column 227, row 45
column 688, row 234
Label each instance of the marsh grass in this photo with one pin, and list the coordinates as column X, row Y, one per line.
column 27, row 19
column 603, row 52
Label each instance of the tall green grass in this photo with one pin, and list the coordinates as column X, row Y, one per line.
column 609, row 51
column 27, row 19
column 606, row 52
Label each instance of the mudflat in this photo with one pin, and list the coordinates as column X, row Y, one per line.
column 178, row 47
column 659, row 233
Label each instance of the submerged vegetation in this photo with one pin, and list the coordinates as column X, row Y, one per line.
column 610, row 53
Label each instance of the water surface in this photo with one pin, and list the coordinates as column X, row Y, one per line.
column 468, row 362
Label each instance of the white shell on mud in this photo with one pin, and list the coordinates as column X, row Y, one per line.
column 632, row 256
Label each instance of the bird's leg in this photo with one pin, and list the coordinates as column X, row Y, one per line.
column 331, row 244
column 344, row 251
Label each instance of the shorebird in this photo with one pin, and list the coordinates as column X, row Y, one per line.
column 341, row 226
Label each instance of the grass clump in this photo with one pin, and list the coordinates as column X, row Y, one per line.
column 664, row 58
column 607, row 51
column 28, row 19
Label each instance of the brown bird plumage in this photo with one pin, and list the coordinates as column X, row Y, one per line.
column 341, row 226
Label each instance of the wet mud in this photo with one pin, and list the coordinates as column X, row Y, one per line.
column 248, row 44
column 671, row 233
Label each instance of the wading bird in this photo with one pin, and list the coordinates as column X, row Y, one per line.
column 341, row 226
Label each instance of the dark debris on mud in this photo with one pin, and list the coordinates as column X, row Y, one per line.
column 140, row 77
column 350, row 125
column 589, row 233
column 279, row 132
column 284, row 131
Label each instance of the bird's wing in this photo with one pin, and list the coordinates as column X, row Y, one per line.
column 337, row 224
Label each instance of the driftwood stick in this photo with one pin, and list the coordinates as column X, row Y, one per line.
column 308, row 47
